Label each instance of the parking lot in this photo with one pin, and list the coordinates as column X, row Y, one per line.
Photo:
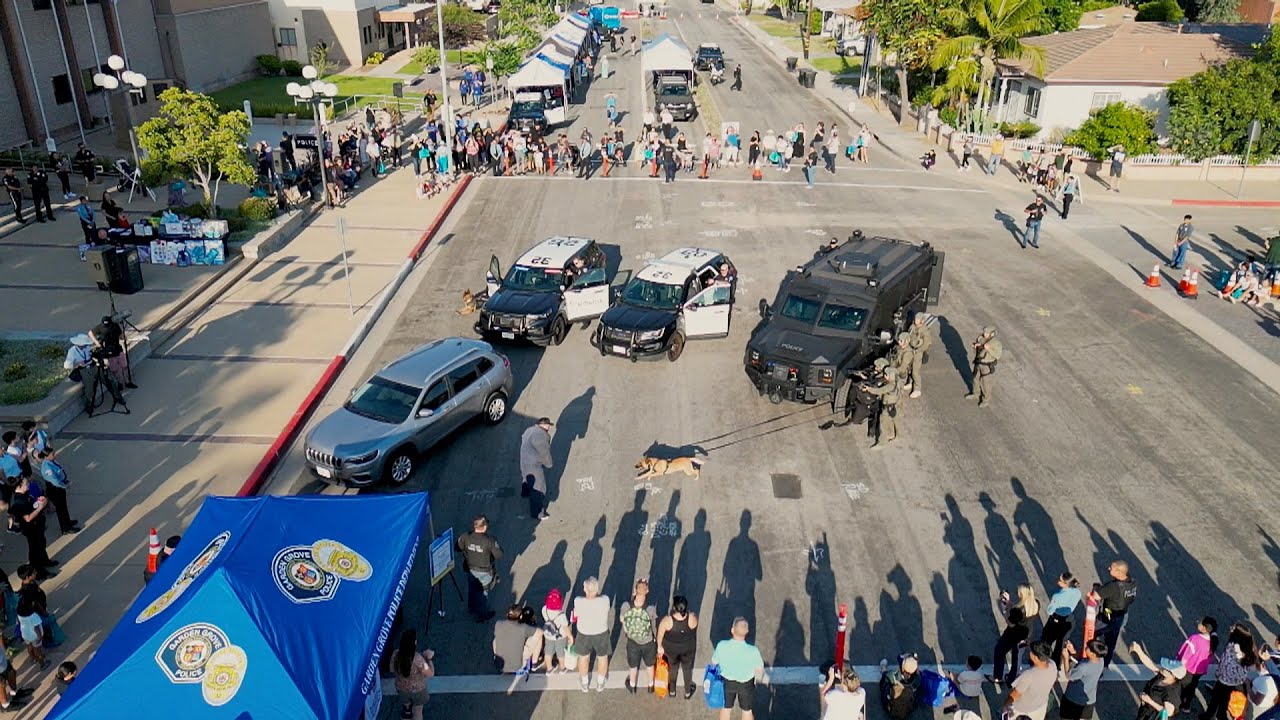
column 788, row 519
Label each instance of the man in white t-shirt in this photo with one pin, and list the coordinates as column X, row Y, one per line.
column 1029, row 694
column 843, row 696
column 1263, row 691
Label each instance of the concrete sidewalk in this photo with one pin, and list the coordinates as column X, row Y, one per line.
column 211, row 399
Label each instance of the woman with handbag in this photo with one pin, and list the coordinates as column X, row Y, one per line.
column 678, row 643
column 1016, row 632
column 412, row 669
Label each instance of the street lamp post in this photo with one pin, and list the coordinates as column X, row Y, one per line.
column 314, row 93
column 135, row 81
column 446, row 122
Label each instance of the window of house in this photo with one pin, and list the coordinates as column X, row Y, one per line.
column 1031, row 106
column 366, row 34
column 1103, row 99
column 288, row 37
column 86, row 79
column 139, row 96
column 62, row 89
column 382, row 30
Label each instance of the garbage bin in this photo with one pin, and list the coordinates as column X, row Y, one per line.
column 808, row 78
column 791, row 64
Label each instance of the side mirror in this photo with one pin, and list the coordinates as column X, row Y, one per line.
column 765, row 310
column 425, row 413
column 691, row 306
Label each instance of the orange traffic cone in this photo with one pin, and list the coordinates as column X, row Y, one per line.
column 551, row 164
column 1275, row 286
column 1185, row 283
column 1193, row 286
column 1153, row 280
column 153, row 552
column 756, row 173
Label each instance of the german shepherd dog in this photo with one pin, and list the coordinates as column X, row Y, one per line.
column 468, row 303
column 654, row 467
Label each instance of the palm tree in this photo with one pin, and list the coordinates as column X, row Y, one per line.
column 993, row 33
column 958, row 90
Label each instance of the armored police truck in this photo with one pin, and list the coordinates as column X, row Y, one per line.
column 837, row 313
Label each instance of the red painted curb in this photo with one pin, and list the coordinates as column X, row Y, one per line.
column 1228, row 203
column 291, row 429
column 429, row 234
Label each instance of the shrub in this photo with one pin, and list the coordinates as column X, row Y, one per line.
column 1160, row 11
column 197, row 210
column 267, row 110
column 15, row 371
column 815, row 22
column 1116, row 124
column 51, row 352
column 292, row 68
column 256, row 209
column 269, row 64
column 375, row 58
column 428, row 56
column 1019, row 130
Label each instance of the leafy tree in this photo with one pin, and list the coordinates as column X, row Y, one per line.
column 1210, row 112
column 319, row 57
column 427, row 55
column 908, row 31
column 992, row 32
column 506, row 55
column 1218, row 11
column 190, row 138
column 462, row 26
column 1061, row 15
column 1160, row 11
column 957, row 91
column 1116, row 124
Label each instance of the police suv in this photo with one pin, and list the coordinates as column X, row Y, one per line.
column 836, row 314
column 681, row 295
column 559, row 281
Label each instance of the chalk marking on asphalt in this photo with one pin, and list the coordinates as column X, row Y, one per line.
column 648, row 488
column 725, row 233
column 662, row 527
column 171, row 437
column 794, row 675
column 816, row 231
column 586, row 484
column 1042, row 312
column 243, row 359
column 1133, row 389
column 855, row 490
column 794, row 183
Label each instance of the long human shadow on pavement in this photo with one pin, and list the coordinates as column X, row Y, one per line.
column 999, row 553
column 552, row 575
column 1191, row 591
column 966, row 618
column 742, row 569
column 1035, row 528
column 570, row 426
column 592, row 555
column 820, row 586
column 957, row 349
column 901, row 622
column 788, row 640
column 695, row 558
column 662, row 564
column 1010, row 224
column 619, row 579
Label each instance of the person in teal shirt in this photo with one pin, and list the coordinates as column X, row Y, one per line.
column 740, row 664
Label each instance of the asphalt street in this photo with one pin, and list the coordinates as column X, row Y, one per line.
column 1115, row 432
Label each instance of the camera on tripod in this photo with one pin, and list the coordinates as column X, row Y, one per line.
column 120, row 317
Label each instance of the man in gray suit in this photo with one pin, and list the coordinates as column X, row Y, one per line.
column 535, row 455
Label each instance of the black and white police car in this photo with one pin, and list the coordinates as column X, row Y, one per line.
column 559, row 281
column 683, row 295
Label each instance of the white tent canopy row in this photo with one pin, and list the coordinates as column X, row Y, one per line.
column 665, row 54
column 571, row 32
column 539, row 71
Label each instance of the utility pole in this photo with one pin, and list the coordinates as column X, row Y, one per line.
column 805, row 35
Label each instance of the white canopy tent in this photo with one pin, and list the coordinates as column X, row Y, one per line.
column 665, row 54
column 548, row 76
column 569, row 31
column 553, row 52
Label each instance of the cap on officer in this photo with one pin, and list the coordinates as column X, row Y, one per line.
column 989, row 330
column 880, row 364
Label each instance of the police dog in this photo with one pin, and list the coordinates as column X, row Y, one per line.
column 468, row 303
column 653, row 467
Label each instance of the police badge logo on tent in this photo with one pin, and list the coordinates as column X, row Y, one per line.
column 307, row 574
column 202, row 653
column 185, row 578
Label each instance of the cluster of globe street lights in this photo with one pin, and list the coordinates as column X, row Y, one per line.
column 135, row 81
column 314, row 92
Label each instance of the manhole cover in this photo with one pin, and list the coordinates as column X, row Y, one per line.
column 786, row 486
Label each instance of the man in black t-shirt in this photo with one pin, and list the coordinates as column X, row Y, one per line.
column 669, row 162
column 38, row 179
column 1114, row 599
column 108, row 342
column 13, row 186
column 1035, row 214
column 480, row 555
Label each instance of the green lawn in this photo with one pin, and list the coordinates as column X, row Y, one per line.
column 29, row 370
column 838, row 65
column 775, row 27
column 413, row 67
column 268, row 96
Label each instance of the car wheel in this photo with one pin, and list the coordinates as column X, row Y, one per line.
column 495, row 408
column 840, row 400
column 558, row 331
column 400, row 467
column 677, row 347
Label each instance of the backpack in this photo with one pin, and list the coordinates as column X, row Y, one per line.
column 550, row 629
column 899, row 698
column 638, row 626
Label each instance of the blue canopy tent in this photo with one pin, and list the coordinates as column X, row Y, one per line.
column 271, row 607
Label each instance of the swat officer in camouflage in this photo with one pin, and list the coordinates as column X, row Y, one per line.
column 986, row 354
column 888, row 391
column 901, row 358
column 919, row 341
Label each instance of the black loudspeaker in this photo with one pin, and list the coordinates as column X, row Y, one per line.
column 116, row 269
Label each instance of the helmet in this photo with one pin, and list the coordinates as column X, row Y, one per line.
column 880, row 363
column 903, row 337
column 989, row 330
column 890, row 372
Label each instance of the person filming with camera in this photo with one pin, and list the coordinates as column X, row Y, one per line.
column 108, row 343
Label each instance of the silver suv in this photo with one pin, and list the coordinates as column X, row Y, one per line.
column 406, row 408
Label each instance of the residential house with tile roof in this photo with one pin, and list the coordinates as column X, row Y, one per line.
column 1127, row 62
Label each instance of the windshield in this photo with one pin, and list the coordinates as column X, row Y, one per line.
column 652, row 295
column 526, row 109
column 536, row 279
column 673, row 89
column 710, row 52
column 381, row 399
column 829, row 316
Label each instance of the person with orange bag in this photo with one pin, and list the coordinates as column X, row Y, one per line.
column 678, row 644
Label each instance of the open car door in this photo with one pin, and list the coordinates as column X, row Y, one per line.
column 588, row 296
column 707, row 314
column 616, row 286
column 493, row 278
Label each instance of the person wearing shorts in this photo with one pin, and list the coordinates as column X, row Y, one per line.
column 591, row 617
column 740, row 664
column 1118, row 156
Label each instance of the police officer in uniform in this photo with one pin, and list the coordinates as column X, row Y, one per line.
column 986, row 353
column 13, row 186
column 919, row 340
column 38, row 179
column 887, row 391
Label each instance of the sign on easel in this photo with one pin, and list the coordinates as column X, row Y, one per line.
column 442, row 556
